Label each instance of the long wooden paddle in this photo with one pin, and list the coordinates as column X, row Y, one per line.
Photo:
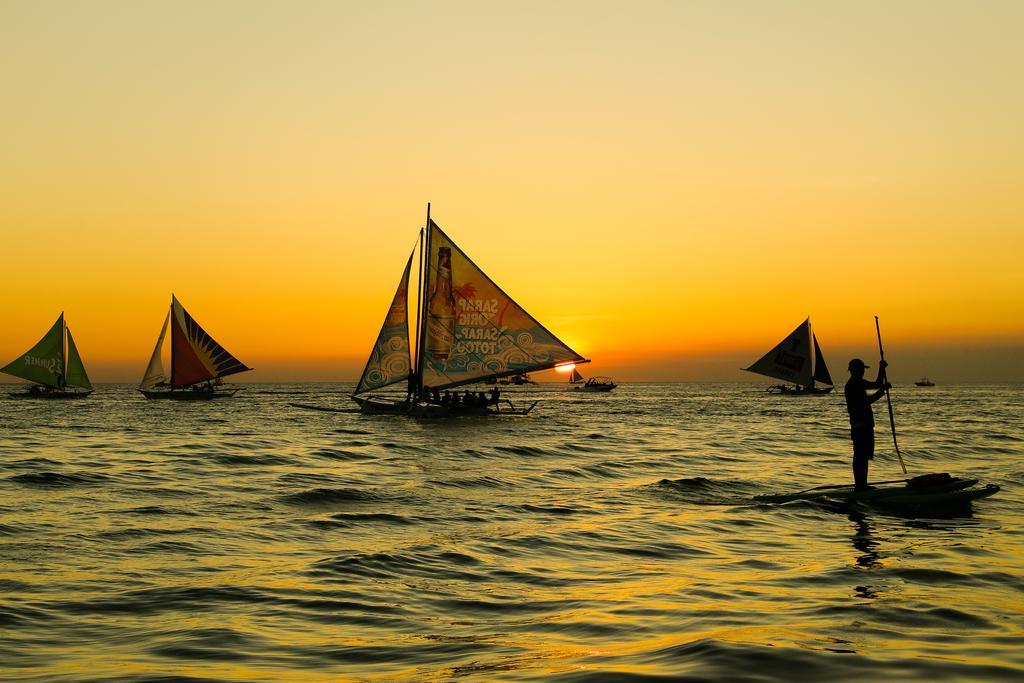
column 892, row 419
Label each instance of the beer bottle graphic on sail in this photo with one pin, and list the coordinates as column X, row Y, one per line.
column 441, row 309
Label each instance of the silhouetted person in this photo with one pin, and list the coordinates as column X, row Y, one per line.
column 862, row 420
column 436, row 395
column 494, row 395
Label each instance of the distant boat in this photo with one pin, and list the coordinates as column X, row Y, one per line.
column 924, row 382
column 53, row 365
column 517, row 380
column 468, row 330
column 797, row 359
column 593, row 384
column 198, row 362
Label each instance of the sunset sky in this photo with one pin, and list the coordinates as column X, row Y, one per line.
column 670, row 187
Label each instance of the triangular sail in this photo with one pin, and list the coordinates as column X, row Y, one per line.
column 790, row 361
column 575, row 376
column 76, row 375
column 820, row 369
column 474, row 331
column 195, row 355
column 390, row 359
column 44, row 362
column 155, row 370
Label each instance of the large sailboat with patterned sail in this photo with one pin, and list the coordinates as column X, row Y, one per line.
column 468, row 330
column 198, row 362
column 53, row 366
column 797, row 359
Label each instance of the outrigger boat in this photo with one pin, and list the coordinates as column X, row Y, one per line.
column 198, row 362
column 53, row 365
column 924, row 382
column 797, row 359
column 467, row 331
column 591, row 384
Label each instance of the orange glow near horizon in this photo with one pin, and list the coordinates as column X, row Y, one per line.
column 691, row 186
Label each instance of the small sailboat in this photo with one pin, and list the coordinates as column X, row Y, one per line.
column 467, row 331
column 53, row 365
column 924, row 382
column 198, row 362
column 592, row 384
column 797, row 359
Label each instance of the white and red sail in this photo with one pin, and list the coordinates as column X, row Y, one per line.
column 195, row 355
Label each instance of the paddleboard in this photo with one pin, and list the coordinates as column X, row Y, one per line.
column 950, row 491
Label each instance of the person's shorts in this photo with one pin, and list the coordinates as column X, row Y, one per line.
column 863, row 442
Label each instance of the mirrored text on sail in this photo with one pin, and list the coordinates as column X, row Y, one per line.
column 44, row 362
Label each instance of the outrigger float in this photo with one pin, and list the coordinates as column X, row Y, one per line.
column 467, row 331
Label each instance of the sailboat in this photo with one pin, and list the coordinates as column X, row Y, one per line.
column 593, row 384
column 53, row 365
column 198, row 362
column 467, row 330
column 797, row 359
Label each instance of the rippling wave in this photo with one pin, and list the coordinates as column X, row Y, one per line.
column 602, row 538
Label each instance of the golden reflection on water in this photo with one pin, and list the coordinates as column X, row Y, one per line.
column 266, row 544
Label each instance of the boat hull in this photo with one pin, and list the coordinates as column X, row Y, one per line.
column 50, row 395
column 596, row 388
column 377, row 406
column 187, row 394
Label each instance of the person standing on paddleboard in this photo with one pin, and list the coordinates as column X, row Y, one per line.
column 862, row 420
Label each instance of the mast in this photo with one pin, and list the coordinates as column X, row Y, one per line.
column 810, row 346
column 170, row 314
column 64, row 351
column 422, row 293
column 414, row 369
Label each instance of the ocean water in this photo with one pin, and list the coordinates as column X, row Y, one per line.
column 601, row 538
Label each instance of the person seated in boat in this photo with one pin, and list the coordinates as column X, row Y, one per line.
column 494, row 395
column 468, row 399
column 481, row 398
column 862, row 420
column 435, row 395
column 455, row 398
